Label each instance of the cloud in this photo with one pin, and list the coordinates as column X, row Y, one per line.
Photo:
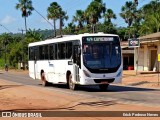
column 7, row 20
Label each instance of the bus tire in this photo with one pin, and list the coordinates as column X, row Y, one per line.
column 103, row 87
column 72, row 85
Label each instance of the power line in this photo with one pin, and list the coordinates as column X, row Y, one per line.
column 43, row 17
column 5, row 28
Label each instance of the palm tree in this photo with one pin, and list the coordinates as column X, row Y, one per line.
column 129, row 14
column 33, row 35
column 26, row 7
column 54, row 13
column 79, row 17
column 63, row 16
column 136, row 2
column 70, row 29
column 151, row 18
column 145, row 28
column 109, row 15
column 151, row 24
column 94, row 12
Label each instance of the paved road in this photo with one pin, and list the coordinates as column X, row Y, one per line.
column 121, row 94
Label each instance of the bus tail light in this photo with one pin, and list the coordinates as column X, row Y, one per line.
column 86, row 73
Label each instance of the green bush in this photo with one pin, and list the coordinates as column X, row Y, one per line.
column 1, row 63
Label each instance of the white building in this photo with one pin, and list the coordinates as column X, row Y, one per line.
column 145, row 57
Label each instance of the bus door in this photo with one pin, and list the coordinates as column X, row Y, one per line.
column 51, row 68
column 36, row 53
column 76, row 62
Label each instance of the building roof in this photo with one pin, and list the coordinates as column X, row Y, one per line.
column 153, row 36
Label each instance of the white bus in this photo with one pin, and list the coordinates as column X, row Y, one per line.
column 84, row 59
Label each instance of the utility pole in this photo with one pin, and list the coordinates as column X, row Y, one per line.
column 22, row 47
column 60, row 25
column 22, row 31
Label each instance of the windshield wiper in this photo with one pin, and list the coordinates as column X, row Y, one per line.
column 110, row 52
column 117, row 53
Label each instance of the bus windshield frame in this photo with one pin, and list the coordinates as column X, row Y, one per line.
column 101, row 54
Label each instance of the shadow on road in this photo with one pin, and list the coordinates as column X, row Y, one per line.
column 111, row 88
column 68, row 107
column 115, row 88
column 9, row 86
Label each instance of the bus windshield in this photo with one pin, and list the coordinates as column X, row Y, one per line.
column 101, row 53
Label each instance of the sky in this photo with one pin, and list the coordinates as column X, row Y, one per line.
column 12, row 21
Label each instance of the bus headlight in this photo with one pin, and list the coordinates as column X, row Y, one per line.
column 86, row 73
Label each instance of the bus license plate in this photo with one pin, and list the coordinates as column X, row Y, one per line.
column 104, row 82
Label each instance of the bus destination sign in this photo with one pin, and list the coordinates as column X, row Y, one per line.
column 98, row 39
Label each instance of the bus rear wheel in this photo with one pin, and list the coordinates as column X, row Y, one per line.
column 72, row 85
column 103, row 87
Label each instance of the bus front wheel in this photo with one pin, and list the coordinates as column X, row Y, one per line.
column 72, row 85
column 103, row 87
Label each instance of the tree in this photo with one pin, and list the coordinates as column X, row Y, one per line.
column 54, row 13
column 70, row 29
column 63, row 16
column 129, row 14
column 109, row 15
column 136, row 2
column 79, row 17
column 15, row 54
column 5, row 40
column 94, row 12
column 151, row 24
column 106, row 27
column 151, row 18
column 26, row 8
column 33, row 36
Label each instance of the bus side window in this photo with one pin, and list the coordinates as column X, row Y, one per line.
column 61, row 50
column 51, row 52
column 41, row 53
column 56, row 51
column 36, row 52
column 45, row 52
column 68, row 50
column 31, row 53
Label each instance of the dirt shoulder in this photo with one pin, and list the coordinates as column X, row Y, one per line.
column 147, row 80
